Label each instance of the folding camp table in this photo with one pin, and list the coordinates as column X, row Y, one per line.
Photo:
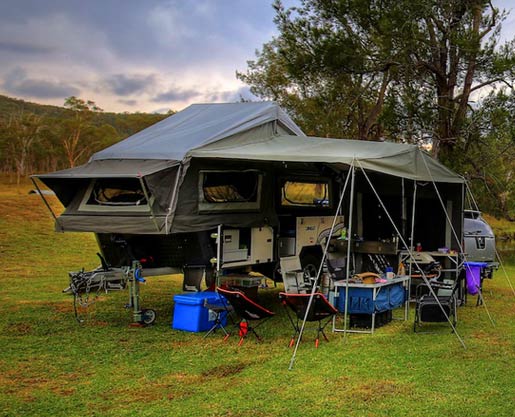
column 452, row 264
column 372, row 299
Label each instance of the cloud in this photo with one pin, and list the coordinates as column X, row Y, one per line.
column 230, row 96
column 125, row 85
column 23, row 48
column 140, row 51
column 176, row 94
column 16, row 82
column 131, row 103
column 162, row 110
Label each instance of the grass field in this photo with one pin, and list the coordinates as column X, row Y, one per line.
column 51, row 366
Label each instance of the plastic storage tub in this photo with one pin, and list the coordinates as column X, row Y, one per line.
column 361, row 299
column 191, row 315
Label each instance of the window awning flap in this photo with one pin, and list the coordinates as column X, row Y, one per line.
column 65, row 183
column 133, row 168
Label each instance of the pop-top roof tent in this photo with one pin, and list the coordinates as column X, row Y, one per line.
column 261, row 132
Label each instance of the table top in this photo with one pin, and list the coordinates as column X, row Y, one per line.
column 398, row 279
column 433, row 253
column 241, row 280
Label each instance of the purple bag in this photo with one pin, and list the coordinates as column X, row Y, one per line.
column 473, row 276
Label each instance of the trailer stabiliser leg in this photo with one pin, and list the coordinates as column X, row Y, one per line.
column 134, row 278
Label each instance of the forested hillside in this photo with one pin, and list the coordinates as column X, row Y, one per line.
column 40, row 138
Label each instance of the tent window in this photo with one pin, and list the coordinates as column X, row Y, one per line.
column 115, row 194
column 230, row 190
column 305, row 194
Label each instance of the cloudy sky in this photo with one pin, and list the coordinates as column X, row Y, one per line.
column 135, row 55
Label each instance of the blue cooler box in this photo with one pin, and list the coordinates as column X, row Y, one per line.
column 191, row 315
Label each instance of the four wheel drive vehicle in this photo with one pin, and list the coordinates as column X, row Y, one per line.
column 479, row 241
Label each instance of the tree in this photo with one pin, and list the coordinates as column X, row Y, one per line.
column 374, row 69
column 488, row 160
column 74, row 128
column 21, row 131
column 451, row 51
column 330, row 66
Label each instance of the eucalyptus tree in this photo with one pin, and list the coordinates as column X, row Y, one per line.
column 487, row 157
column 73, row 129
column 20, row 132
column 383, row 69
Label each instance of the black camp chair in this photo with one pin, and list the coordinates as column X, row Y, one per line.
column 336, row 266
column 320, row 310
column 427, row 308
column 222, row 313
column 249, row 312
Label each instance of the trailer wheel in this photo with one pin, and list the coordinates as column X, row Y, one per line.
column 310, row 264
column 148, row 316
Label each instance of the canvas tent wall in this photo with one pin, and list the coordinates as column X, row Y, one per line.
column 396, row 167
column 157, row 157
column 167, row 159
column 71, row 187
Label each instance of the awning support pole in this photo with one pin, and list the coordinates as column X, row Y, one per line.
column 504, row 270
column 349, row 244
column 412, row 234
column 218, row 253
column 403, row 209
column 173, row 199
column 44, row 200
column 458, row 240
column 413, row 260
column 145, row 192
column 313, row 290
column 497, row 255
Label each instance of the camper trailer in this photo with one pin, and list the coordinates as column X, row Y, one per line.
column 239, row 186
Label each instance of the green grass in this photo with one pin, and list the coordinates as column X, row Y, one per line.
column 502, row 228
column 52, row 366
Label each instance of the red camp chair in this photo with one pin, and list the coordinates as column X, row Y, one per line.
column 249, row 312
column 320, row 310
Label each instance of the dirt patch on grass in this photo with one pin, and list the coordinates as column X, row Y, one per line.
column 225, row 370
column 170, row 387
column 18, row 329
column 99, row 323
column 491, row 339
column 375, row 390
column 23, row 383
column 130, row 395
column 503, row 292
column 62, row 307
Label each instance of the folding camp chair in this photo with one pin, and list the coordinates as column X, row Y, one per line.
column 336, row 266
column 320, row 311
column 427, row 308
column 193, row 275
column 249, row 312
column 221, row 313
column 294, row 279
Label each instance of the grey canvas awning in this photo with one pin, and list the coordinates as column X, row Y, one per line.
column 401, row 160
